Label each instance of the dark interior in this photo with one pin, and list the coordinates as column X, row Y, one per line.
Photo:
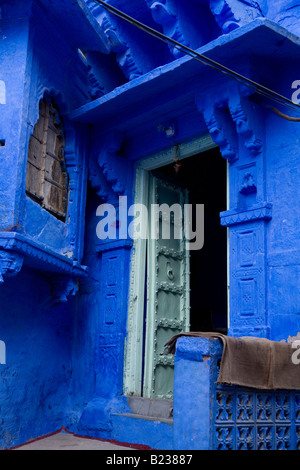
column 205, row 177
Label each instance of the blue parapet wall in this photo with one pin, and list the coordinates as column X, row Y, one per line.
column 208, row 416
column 195, row 364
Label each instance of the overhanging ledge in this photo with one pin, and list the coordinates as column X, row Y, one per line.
column 260, row 38
column 17, row 249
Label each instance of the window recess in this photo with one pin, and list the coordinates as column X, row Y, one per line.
column 47, row 179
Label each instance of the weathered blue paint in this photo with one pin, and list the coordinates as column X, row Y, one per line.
column 193, row 359
column 40, row 256
column 64, row 294
column 35, row 379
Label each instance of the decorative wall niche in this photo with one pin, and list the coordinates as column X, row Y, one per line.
column 48, row 235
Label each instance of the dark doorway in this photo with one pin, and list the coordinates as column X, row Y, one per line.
column 205, row 176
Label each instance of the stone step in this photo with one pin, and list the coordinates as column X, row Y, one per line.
column 148, row 418
column 151, row 408
column 155, row 432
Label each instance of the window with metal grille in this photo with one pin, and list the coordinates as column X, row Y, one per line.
column 47, row 178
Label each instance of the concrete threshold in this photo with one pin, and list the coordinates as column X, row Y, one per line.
column 160, row 409
column 145, row 417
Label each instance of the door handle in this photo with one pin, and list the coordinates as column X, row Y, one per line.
column 170, row 272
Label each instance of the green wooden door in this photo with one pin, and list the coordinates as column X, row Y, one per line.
column 167, row 283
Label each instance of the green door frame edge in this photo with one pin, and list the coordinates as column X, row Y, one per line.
column 133, row 354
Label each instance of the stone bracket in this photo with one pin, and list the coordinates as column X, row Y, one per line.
column 62, row 288
column 10, row 264
column 242, row 111
column 117, row 43
column 219, row 124
column 107, row 172
column 164, row 15
column 232, row 14
column 231, row 122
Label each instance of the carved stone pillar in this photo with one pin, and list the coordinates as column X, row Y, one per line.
column 236, row 126
column 109, row 174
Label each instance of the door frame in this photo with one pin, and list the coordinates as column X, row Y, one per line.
column 134, row 349
column 152, row 358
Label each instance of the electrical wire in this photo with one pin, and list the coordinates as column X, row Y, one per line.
column 258, row 88
column 284, row 116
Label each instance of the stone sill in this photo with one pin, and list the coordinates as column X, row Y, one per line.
column 18, row 249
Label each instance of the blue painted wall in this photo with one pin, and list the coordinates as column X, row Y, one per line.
column 35, row 380
column 283, row 235
column 36, row 322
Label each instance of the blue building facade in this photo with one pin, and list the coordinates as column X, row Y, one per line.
column 93, row 112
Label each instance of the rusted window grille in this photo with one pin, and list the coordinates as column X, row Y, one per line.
column 47, row 177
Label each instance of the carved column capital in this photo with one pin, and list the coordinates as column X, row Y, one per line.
column 107, row 172
column 120, row 46
column 242, row 111
column 233, row 122
column 219, row 123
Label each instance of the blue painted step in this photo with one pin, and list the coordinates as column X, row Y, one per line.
column 149, row 423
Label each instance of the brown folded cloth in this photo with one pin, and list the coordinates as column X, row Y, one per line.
column 252, row 362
